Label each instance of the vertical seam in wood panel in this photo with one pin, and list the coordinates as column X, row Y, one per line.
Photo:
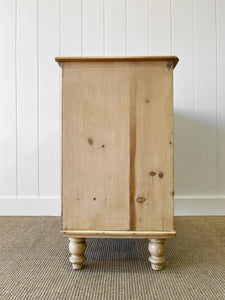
column 132, row 185
column 126, row 10
column 103, row 8
column 194, row 91
column 217, row 136
column 16, row 104
column 171, row 27
column 38, row 108
column 81, row 27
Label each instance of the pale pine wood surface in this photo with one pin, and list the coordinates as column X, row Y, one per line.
column 157, row 248
column 174, row 59
column 151, row 146
column 117, row 151
column 129, row 234
column 77, row 247
column 95, row 169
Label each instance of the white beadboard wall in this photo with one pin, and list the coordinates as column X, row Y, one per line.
column 33, row 32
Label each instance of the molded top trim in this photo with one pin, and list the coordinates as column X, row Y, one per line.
column 174, row 59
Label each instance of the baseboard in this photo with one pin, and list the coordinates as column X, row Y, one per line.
column 50, row 206
column 199, row 206
column 30, row 206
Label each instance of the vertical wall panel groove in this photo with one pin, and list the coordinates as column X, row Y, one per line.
column 103, row 12
column 70, row 37
column 194, row 93
column 160, row 27
column 8, row 169
column 148, row 27
column 184, row 123
column 206, row 169
column 49, row 98
column 221, row 95
column 216, row 95
column 16, row 103
column 59, row 102
column 171, row 27
column 27, row 97
column 38, row 115
column 93, row 33
column 81, row 26
column 137, row 27
column 115, row 27
column 126, row 3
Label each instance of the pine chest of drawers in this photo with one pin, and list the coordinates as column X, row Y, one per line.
column 117, row 151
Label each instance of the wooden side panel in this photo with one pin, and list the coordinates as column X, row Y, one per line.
column 151, row 146
column 95, row 146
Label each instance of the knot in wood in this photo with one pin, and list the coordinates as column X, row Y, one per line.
column 161, row 175
column 140, row 199
column 169, row 65
column 90, row 141
column 152, row 173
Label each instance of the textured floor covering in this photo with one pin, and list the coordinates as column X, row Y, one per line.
column 34, row 263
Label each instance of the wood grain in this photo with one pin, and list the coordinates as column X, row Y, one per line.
column 152, row 152
column 157, row 248
column 77, row 247
column 95, row 152
column 119, row 234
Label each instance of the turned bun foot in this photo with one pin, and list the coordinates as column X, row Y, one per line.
column 77, row 247
column 157, row 248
